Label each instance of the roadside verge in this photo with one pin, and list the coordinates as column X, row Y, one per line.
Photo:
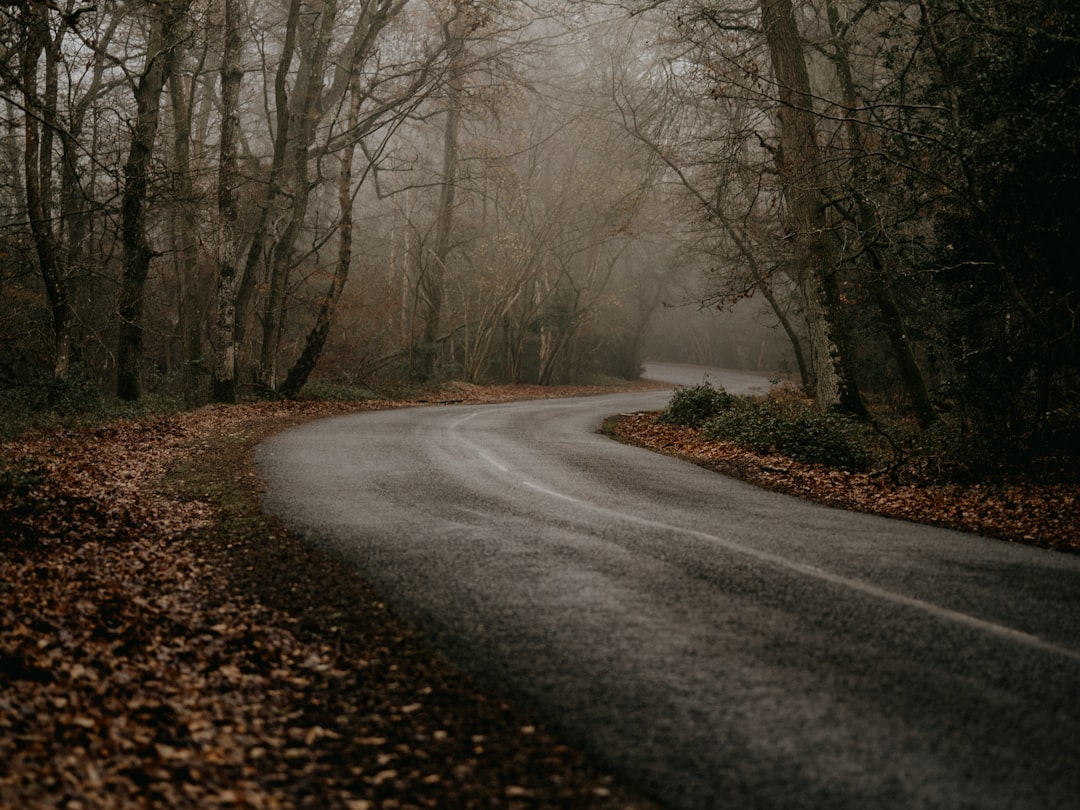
column 163, row 643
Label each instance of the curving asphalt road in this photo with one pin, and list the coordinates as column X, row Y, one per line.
column 717, row 645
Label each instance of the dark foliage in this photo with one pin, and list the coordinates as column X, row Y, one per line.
column 797, row 428
column 1039, row 512
column 783, row 422
column 694, row 405
column 1007, row 256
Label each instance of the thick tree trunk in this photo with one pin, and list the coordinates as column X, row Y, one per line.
column 223, row 383
column 311, row 28
column 161, row 53
column 801, row 172
column 185, row 228
column 314, row 41
column 274, row 204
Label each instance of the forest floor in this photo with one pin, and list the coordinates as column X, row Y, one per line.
column 163, row 643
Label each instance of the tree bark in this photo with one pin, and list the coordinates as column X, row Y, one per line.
column 78, row 181
column 38, row 167
column 223, row 382
column 300, row 109
column 433, row 281
column 801, row 173
column 911, row 376
column 314, row 43
column 316, row 339
column 185, row 229
column 161, row 53
column 272, row 203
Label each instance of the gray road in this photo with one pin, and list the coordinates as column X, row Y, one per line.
column 717, row 645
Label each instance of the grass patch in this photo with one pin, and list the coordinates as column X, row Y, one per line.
column 336, row 391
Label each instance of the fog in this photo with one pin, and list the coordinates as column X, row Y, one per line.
column 505, row 223
column 229, row 200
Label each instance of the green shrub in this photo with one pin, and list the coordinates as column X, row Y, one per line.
column 692, row 407
column 46, row 403
column 796, row 428
column 44, row 400
column 76, row 395
column 948, row 451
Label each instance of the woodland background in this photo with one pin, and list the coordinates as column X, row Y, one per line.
column 360, row 199
column 220, row 201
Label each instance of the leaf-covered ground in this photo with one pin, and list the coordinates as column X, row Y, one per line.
column 165, row 644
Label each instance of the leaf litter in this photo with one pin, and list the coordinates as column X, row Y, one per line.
column 165, row 644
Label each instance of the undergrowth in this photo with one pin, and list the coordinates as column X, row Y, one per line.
column 782, row 422
column 693, row 406
column 45, row 403
column 335, row 390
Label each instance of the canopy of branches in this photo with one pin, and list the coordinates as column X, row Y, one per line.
column 230, row 200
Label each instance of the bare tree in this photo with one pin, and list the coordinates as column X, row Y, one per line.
column 704, row 125
column 800, row 165
column 314, row 32
column 41, row 121
column 456, row 30
column 300, row 371
column 869, row 229
column 307, row 129
column 167, row 26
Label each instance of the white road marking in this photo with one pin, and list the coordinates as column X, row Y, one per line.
column 490, row 460
column 937, row 611
column 866, row 588
column 554, row 494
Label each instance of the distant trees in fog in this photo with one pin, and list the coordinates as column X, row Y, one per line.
column 224, row 199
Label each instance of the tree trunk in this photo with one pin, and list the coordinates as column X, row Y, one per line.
column 77, row 181
column 316, row 339
column 310, row 30
column 789, row 330
column 185, row 248
column 911, row 376
column 273, row 202
column 434, row 277
column 801, row 173
column 314, row 41
column 161, row 54
column 223, row 383
column 38, row 168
